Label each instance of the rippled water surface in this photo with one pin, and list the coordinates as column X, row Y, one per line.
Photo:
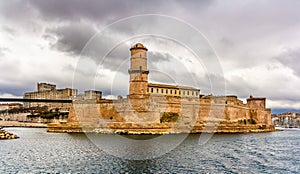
column 40, row 152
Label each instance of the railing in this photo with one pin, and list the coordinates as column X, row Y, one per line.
column 34, row 100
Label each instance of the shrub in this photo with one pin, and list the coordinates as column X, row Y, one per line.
column 168, row 117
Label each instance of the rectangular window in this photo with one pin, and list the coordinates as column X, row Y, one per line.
column 175, row 91
column 171, row 91
column 166, row 91
column 162, row 91
column 151, row 90
column 179, row 92
column 193, row 93
column 156, row 90
column 188, row 92
column 183, row 92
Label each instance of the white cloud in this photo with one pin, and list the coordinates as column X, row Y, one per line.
column 7, row 95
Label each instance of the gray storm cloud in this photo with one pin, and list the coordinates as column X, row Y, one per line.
column 256, row 42
column 291, row 59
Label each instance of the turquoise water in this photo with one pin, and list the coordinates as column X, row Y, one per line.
column 40, row 152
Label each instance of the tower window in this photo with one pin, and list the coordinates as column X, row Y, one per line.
column 156, row 90
column 151, row 90
column 183, row 92
column 188, row 92
column 171, row 91
column 162, row 91
column 193, row 93
column 166, row 91
column 175, row 91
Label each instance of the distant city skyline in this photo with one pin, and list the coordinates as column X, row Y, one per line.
column 257, row 43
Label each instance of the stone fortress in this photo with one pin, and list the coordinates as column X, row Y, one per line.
column 161, row 109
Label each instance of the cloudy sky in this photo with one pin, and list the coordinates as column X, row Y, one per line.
column 232, row 47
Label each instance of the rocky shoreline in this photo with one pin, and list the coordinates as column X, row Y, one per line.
column 22, row 124
column 155, row 129
column 7, row 135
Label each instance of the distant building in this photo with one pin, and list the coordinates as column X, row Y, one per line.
column 92, row 94
column 7, row 106
column 287, row 120
column 45, row 87
column 89, row 95
column 49, row 91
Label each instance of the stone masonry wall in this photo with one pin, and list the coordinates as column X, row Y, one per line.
column 120, row 115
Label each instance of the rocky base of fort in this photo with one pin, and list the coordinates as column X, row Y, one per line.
column 156, row 128
column 7, row 135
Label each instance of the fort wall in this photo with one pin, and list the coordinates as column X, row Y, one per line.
column 208, row 114
column 159, row 109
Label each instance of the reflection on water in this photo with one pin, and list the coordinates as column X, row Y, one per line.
column 141, row 137
column 40, row 152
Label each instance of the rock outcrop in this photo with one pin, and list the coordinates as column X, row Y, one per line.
column 6, row 135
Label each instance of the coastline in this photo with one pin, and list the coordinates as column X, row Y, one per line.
column 22, row 124
column 155, row 129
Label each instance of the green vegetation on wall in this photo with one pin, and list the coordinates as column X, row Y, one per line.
column 169, row 117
